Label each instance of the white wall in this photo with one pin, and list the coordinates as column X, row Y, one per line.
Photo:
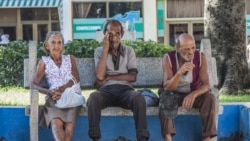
column 66, row 29
column 150, row 20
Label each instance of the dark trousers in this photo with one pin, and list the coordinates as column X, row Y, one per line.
column 117, row 95
column 206, row 105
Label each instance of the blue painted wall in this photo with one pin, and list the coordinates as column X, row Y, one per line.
column 14, row 126
column 244, row 123
column 228, row 122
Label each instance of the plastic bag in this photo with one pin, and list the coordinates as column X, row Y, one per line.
column 150, row 97
column 70, row 99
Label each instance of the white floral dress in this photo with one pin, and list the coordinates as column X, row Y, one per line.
column 56, row 77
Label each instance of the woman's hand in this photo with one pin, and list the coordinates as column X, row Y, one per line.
column 56, row 94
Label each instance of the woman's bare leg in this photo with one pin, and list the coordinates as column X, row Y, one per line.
column 168, row 137
column 207, row 139
column 69, row 128
column 57, row 127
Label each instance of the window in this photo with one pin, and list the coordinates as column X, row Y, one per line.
column 27, row 32
column 195, row 29
column 29, row 14
column 198, row 33
column 54, row 14
column 42, row 30
column 185, row 8
column 7, row 34
column 89, row 18
column 98, row 9
column 89, row 10
column 175, row 30
column 55, row 26
column 123, row 7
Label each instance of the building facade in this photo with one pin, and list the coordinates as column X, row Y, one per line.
column 28, row 19
column 157, row 20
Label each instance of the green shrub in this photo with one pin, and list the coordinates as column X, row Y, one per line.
column 86, row 48
column 40, row 51
column 81, row 48
column 11, row 60
column 148, row 48
column 12, row 55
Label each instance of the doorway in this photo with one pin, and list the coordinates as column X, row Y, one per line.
column 27, row 33
column 174, row 29
column 35, row 32
column 42, row 30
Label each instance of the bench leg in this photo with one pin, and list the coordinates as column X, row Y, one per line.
column 34, row 98
column 215, row 138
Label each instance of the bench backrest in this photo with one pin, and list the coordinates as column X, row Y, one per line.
column 149, row 72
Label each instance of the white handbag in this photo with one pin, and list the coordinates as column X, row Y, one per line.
column 70, row 98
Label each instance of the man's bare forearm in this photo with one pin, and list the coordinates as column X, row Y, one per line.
column 203, row 89
column 101, row 67
column 130, row 77
column 172, row 83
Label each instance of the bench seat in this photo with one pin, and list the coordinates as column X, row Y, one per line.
column 117, row 111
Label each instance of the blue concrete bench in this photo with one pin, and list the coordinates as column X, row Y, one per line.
column 149, row 76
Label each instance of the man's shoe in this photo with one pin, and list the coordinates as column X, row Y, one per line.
column 143, row 139
column 95, row 139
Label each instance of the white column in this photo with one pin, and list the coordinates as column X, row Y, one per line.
column 150, row 20
column 66, row 29
column 33, row 93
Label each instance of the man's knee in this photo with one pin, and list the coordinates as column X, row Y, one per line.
column 56, row 123
column 210, row 97
column 139, row 99
column 93, row 99
column 208, row 105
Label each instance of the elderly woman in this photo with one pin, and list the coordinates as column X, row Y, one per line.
column 60, row 72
